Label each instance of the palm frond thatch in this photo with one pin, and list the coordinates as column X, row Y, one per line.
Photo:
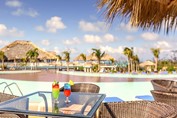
column 19, row 48
column 147, row 14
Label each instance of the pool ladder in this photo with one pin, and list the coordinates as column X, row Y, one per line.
column 8, row 86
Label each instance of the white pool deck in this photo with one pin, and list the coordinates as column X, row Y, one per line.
column 119, row 75
column 124, row 90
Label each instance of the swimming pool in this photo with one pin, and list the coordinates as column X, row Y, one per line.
column 124, row 88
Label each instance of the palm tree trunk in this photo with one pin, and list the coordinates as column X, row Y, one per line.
column 2, row 64
column 156, row 62
column 131, row 64
column 128, row 66
column 67, row 66
column 31, row 64
column 15, row 64
column 98, row 65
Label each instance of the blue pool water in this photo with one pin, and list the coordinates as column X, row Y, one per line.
column 124, row 90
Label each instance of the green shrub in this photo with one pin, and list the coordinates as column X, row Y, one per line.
column 95, row 68
column 170, row 69
column 79, row 68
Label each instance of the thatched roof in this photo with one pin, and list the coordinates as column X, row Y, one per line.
column 91, row 57
column 104, row 58
column 147, row 14
column 107, row 57
column 147, row 63
column 78, row 58
column 19, row 48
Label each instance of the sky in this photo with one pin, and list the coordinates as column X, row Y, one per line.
column 77, row 26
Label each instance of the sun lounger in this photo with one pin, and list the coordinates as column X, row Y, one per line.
column 174, row 72
column 145, row 97
column 102, row 70
column 112, row 99
column 163, row 72
column 143, row 73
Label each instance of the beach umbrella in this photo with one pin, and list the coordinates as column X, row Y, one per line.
column 91, row 58
column 107, row 57
column 78, row 58
column 147, row 14
column 147, row 63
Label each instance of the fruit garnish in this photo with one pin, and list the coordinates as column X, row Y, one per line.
column 55, row 84
column 71, row 82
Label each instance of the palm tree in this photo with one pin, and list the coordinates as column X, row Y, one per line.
column 2, row 58
column 156, row 53
column 32, row 55
column 98, row 54
column 129, row 53
column 59, row 58
column 136, row 61
column 151, row 14
column 24, row 62
column 83, row 56
column 67, row 58
column 112, row 60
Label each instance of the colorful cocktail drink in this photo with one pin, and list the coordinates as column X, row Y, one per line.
column 55, row 91
column 67, row 92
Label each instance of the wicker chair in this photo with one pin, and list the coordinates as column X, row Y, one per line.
column 165, row 97
column 84, row 87
column 164, row 85
column 5, row 97
column 136, row 109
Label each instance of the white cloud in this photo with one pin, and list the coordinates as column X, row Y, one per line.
column 92, row 38
column 18, row 12
column 73, row 50
column 73, row 41
column 150, row 36
column 54, row 24
column 32, row 12
column 39, row 28
column 45, row 42
column 92, row 27
column 129, row 38
column 89, row 51
column 14, row 32
column 3, row 43
column 13, row 3
column 109, row 37
column 56, row 50
column 29, row 12
column 162, row 45
column 127, row 27
column 112, row 50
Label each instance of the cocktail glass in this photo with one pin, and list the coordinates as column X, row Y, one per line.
column 55, row 91
column 67, row 92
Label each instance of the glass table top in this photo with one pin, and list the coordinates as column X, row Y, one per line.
column 41, row 103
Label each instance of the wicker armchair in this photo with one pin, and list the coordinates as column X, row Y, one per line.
column 84, row 87
column 136, row 109
column 164, row 85
column 165, row 97
column 5, row 97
